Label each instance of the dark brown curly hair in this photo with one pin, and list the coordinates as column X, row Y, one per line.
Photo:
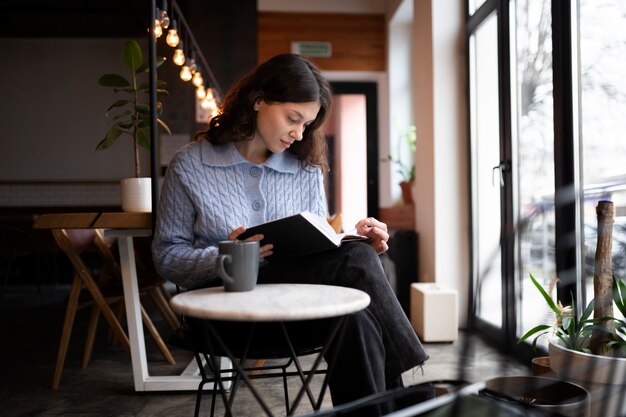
column 286, row 78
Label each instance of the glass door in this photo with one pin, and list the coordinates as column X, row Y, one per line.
column 533, row 160
column 487, row 173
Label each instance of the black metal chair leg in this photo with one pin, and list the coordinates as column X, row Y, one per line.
column 286, row 389
column 200, row 385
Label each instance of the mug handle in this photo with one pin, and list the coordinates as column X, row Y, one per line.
column 220, row 268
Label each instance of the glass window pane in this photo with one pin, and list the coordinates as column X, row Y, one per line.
column 533, row 159
column 485, row 139
column 602, row 45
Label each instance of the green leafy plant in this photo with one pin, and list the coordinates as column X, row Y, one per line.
column 575, row 332
column 619, row 299
column 132, row 113
column 409, row 140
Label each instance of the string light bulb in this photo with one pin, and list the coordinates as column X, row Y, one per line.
column 208, row 103
column 197, row 79
column 201, row 92
column 158, row 30
column 179, row 55
column 185, row 73
column 172, row 38
column 165, row 19
column 192, row 62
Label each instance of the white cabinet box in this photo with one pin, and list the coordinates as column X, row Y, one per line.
column 434, row 314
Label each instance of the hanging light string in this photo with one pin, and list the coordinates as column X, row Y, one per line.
column 194, row 60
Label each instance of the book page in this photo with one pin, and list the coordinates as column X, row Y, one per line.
column 352, row 235
column 322, row 225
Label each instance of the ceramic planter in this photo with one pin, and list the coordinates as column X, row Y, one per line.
column 407, row 191
column 137, row 195
column 541, row 367
column 604, row 377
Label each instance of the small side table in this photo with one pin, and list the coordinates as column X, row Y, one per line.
column 272, row 303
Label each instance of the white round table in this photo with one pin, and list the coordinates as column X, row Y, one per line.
column 271, row 303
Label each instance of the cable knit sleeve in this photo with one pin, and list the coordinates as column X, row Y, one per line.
column 176, row 256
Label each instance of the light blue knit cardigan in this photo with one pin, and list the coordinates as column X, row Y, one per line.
column 209, row 190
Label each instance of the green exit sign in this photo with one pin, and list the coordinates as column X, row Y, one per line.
column 312, row 49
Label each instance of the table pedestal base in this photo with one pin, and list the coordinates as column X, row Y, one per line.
column 247, row 374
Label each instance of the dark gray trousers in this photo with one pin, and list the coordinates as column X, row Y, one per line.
column 379, row 343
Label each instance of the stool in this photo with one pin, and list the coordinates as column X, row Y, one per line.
column 434, row 314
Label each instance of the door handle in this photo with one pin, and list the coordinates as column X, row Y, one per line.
column 500, row 169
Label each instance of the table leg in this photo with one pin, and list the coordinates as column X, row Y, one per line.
column 133, row 311
column 240, row 373
column 143, row 381
column 335, row 333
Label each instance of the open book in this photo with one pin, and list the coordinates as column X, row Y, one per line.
column 300, row 234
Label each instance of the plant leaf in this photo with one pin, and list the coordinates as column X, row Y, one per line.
column 588, row 311
column 143, row 137
column 546, row 297
column 113, row 80
column 567, row 323
column 164, row 126
column 127, row 124
column 112, row 135
column 132, row 55
column 142, row 108
column 118, row 103
column 532, row 331
column 619, row 295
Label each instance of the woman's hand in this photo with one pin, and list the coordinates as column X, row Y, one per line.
column 265, row 250
column 376, row 231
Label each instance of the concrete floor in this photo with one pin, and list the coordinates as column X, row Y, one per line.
column 31, row 324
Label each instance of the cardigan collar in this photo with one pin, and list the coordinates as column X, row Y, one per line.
column 228, row 155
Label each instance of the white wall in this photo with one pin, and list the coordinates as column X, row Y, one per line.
column 442, row 206
column 51, row 127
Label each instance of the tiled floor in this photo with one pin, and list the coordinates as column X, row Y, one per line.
column 30, row 327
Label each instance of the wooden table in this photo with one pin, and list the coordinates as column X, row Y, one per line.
column 124, row 226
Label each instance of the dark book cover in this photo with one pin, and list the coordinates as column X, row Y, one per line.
column 298, row 235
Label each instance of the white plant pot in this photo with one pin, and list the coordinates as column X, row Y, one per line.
column 603, row 376
column 137, row 195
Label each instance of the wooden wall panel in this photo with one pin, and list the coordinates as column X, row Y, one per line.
column 358, row 40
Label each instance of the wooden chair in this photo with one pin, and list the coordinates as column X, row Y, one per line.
column 86, row 290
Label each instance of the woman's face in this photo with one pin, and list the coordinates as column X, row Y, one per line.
column 278, row 125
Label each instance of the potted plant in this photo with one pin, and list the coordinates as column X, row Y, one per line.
column 132, row 118
column 590, row 351
column 406, row 170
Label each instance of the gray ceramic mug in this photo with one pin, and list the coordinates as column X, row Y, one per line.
column 238, row 264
